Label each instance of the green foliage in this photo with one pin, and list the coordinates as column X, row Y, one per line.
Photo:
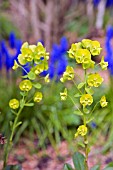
column 48, row 118
column 96, row 167
column 51, row 113
column 6, row 26
column 78, row 161
column 79, row 164
column 13, row 167
column 79, row 26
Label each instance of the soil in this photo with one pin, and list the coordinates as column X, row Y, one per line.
column 30, row 159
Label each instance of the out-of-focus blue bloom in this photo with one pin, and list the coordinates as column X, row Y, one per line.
column 3, row 47
column 109, row 49
column 109, row 3
column 93, row 125
column 58, row 59
column 96, row 2
column 0, row 60
column 8, row 55
column 41, row 42
column 12, row 40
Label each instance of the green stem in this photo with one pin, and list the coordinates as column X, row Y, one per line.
column 77, row 87
column 75, row 105
column 23, row 69
column 93, row 109
column 9, row 143
column 85, row 137
column 86, row 147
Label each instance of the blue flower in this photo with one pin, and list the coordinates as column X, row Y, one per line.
column 7, row 59
column 96, row 2
column 12, row 40
column 58, row 59
column 109, row 49
column 109, row 3
column 0, row 60
column 93, row 125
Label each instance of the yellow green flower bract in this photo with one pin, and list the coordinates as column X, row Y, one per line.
column 68, row 74
column 86, row 99
column 63, row 95
column 103, row 102
column 94, row 79
column 82, row 130
column 15, row 65
column 14, row 104
column 37, row 97
column 25, row 85
column 103, row 64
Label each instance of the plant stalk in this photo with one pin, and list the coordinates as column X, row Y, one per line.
column 9, row 142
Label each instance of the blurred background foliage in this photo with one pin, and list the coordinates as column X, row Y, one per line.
column 56, row 24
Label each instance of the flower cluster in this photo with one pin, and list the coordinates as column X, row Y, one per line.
column 82, row 130
column 83, row 52
column 37, row 59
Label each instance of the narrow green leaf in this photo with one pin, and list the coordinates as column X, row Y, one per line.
column 77, row 112
column 24, row 76
column 15, row 113
column 96, row 167
column 19, row 123
column 23, row 93
column 81, row 144
column 31, row 75
column 77, row 95
column 37, row 85
column 79, row 161
column 86, row 110
column 11, row 124
column 67, row 167
column 89, row 90
column 81, row 85
column 88, row 121
column 22, row 103
column 29, row 104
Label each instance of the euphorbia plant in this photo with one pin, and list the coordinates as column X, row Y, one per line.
column 82, row 53
column 36, row 58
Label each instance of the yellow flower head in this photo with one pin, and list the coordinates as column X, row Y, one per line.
column 37, row 97
column 73, row 49
column 25, row 85
column 95, row 48
column 86, row 43
column 103, row 102
column 68, row 74
column 15, row 65
column 86, row 99
column 40, row 52
column 63, row 95
column 103, row 64
column 47, row 79
column 14, row 104
column 94, row 80
column 82, row 130
column 82, row 56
